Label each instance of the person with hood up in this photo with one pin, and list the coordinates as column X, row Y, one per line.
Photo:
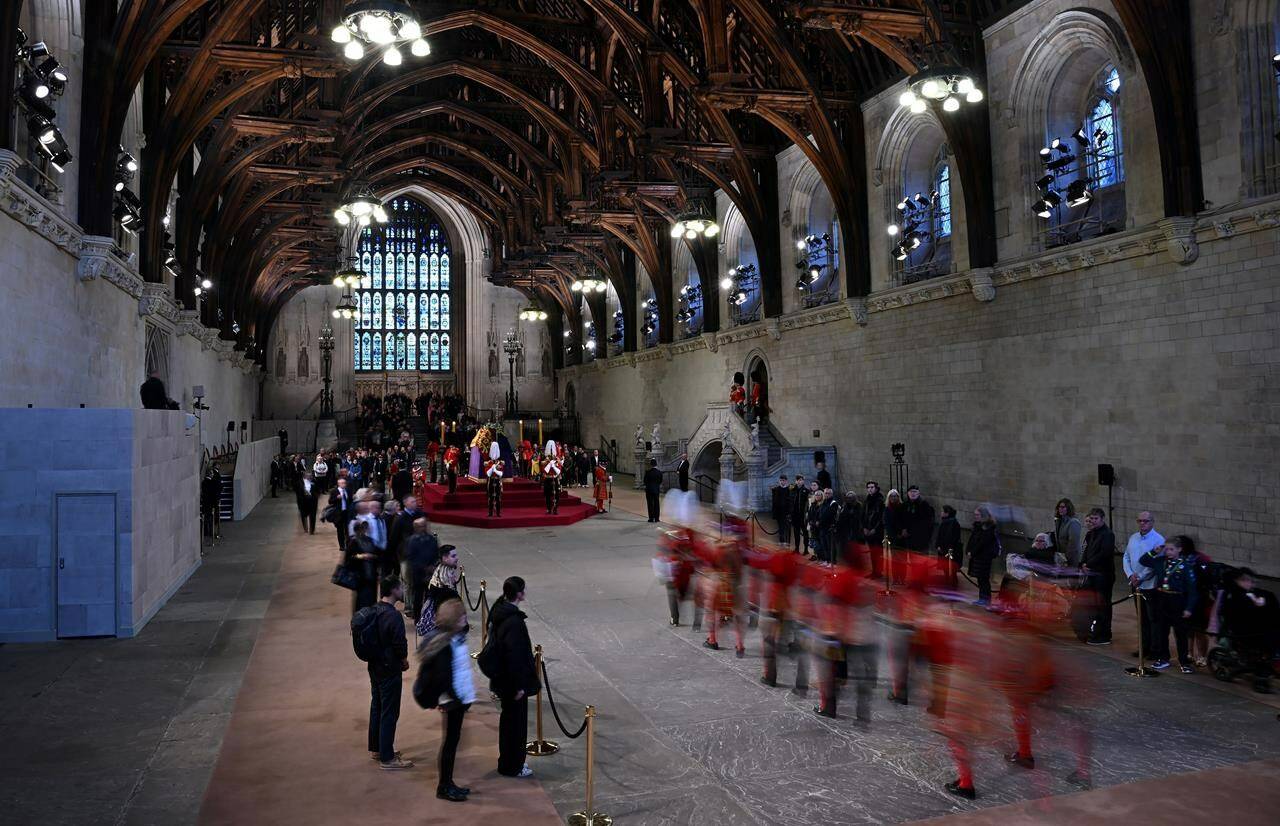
column 515, row 679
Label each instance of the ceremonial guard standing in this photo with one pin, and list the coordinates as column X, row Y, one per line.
column 601, row 490
column 493, row 479
column 451, row 455
column 551, row 478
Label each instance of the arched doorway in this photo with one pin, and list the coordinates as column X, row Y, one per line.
column 704, row 469
column 571, row 399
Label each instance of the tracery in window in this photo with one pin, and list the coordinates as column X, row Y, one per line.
column 405, row 287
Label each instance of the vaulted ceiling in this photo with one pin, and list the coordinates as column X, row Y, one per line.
column 573, row 129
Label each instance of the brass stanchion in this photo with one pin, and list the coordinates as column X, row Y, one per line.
column 1141, row 670
column 540, row 746
column 888, row 569
column 589, row 816
column 484, row 620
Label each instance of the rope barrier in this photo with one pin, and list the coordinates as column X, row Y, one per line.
column 551, row 700
column 467, row 594
column 756, row 519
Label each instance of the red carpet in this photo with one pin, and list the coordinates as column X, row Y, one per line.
column 522, row 505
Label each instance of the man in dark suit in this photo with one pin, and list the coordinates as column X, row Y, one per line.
column 344, row 508
column 682, row 472
column 652, row 488
column 402, row 527
column 780, row 509
column 402, row 483
column 1100, row 564
column 210, row 495
column 799, row 515
column 276, row 473
column 307, row 502
column 919, row 521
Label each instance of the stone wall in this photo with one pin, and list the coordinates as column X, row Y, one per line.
column 114, row 491
column 163, row 540
column 253, row 474
column 1106, row 352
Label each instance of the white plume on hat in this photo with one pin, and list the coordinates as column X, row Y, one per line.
column 551, row 448
column 681, row 507
column 495, row 452
column 731, row 497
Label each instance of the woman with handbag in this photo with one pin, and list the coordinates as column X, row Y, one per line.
column 442, row 587
column 445, row 682
column 361, row 558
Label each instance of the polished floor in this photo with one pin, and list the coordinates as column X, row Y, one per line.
column 246, row 675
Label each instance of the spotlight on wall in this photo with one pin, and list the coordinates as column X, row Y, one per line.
column 1078, row 193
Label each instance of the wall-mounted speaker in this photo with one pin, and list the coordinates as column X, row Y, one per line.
column 1106, row 475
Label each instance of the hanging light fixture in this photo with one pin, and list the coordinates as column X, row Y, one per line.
column 947, row 85
column 360, row 205
column 379, row 26
column 346, row 307
column 533, row 313
column 589, row 284
column 694, row 223
column 348, row 277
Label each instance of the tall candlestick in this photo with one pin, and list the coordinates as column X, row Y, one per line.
column 539, row 431
column 442, row 432
column 520, row 438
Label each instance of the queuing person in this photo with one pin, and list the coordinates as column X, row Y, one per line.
column 827, row 515
column 210, row 501
column 387, row 665
column 799, row 515
column 1251, row 620
column 320, row 473
column 949, row 548
column 421, row 556
column 1067, row 533
column 918, row 519
column 821, row 475
column 361, row 558
column 306, row 496
column 873, row 525
column 652, row 489
column 516, row 680
column 1142, row 578
column 982, row 549
column 1098, row 562
column 682, row 473
column 812, row 523
column 1176, row 592
column 847, row 548
column 444, row 682
column 343, row 510
column 780, row 509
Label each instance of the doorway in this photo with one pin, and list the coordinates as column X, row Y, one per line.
column 86, row 565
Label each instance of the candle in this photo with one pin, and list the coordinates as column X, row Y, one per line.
column 539, row 431
column 520, row 438
column 441, row 432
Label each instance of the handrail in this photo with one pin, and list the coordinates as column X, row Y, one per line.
column 609, row 451
column 302, row 414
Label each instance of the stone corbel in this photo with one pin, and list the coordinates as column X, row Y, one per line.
column 98, row 261
column 665, row 349
column 208, row 338
column 1180, row 239
column 713, row 344
column 773, row 329
column 858, row 310
column 157, row 301
column 983, row 288
column 189, row 323
column 1224, row 228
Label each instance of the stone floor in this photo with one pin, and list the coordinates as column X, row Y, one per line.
column 129, row 731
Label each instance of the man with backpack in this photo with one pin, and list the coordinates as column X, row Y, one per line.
column 507, row 660
column 377, row 634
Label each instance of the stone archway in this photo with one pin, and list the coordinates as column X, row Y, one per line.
column 757, row 373
column 706, row 464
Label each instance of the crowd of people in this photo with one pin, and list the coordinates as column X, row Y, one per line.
column 850, row 575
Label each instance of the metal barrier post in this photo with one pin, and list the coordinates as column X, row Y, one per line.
column 540, row 746
column 589, row 816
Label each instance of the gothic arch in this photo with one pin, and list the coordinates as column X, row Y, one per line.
column 1257, row 39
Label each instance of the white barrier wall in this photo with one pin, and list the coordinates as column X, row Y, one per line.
column 252, row 479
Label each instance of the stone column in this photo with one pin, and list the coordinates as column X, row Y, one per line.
column 756, row 493
column 638, row 455
column 726, row 463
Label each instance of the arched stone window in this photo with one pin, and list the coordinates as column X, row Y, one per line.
column 1257, row 40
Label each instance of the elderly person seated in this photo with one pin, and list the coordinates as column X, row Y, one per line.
column 1039, row 562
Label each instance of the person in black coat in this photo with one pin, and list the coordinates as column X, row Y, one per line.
column 360, row 556
column 1098, row 561
column 210, row 494
column 872, row 528
column 822, row 477
column 402, row 482
column 306, row 494
column 154, row 396
column 799, row 512
column 919, row 518
column 982, row 549
column 344, row 509
column 652, row 489
column 846, row 534
column 780, row 509
column 517, row 678
column 682, row 475
column 421, row 555
column 827, row 515
column 950, row 548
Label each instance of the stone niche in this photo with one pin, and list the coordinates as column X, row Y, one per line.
column 101, row 525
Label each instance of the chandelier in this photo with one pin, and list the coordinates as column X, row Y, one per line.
column 361, row 205
column 346, row 307
column 379, row 24
column 693, row 223
column 533, row 313
column 348, row 277
column 590, row 284
column 948, row 84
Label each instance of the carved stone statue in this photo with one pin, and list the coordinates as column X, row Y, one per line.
column 657, row 434
column 639, row 435
column 726, row 433
column 755, row 435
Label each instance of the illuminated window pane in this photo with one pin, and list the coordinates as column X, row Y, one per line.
column 444, row 271
column 411, row 272
column 377, row 313
column 942, row 183
column 444, row 311
column 377, row 272
column 411, row 344
column 412, row 314
column 424, row 349
column 377, row 352
column 444, row 352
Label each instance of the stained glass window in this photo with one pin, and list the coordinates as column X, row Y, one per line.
column 406, row 264
column 1103, row 128
column 942, row 183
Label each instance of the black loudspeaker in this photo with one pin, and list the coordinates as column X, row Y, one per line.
column 819, row 456
column 1106, row 475
column 231, row 426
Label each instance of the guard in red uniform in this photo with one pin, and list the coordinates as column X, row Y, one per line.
column 433, row 452
column 493, row 473
column 724, row 578
column 849, row 624
column 781, row 569
column 601, row 487
column 451, row 455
